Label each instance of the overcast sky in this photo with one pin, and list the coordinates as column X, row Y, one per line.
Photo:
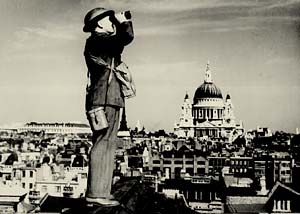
column 253, row 48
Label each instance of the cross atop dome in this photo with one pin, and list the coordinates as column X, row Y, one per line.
column 207, row 65
column 208, row 78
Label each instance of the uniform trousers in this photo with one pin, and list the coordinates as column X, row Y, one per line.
column 101, row 157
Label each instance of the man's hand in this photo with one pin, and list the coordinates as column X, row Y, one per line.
column 123, row 16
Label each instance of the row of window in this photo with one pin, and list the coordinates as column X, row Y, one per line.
column 57, row 188
column 281, row 205
column 178, row 162
column 201, row 195
column 211, row 162
column 177, row 170
column 30, row 174
column 30, row 185
column 282, row 164
column 216, row 163
column 238, row 170
column 207, row 113
column 283, row 172
column 54, row 130
column 240, row 162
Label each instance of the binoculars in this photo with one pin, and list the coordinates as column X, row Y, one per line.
column 125, row 15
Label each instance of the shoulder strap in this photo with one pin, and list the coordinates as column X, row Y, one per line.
column 112, row 66
column 88, row 81
column 109, row 78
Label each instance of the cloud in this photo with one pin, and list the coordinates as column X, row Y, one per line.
column 50, row 31
column 32, row 41
column 212, row 16
column 279, row 61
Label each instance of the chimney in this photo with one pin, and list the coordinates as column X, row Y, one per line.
column 263, row 190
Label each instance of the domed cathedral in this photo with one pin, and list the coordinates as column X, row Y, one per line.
column 208, row 115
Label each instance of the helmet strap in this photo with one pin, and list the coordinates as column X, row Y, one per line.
column 99, row 26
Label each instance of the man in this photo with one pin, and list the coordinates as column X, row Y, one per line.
column 110, row 32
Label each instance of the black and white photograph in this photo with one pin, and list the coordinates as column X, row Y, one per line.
column 153, row 107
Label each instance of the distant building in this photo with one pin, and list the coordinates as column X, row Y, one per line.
column 124, row 133
column 209, row 115
column 280, row 199
column 261, row 132
column 68, row 182
column 178, row 163
column 56, row 128
column 27, row 177
column 282, row 170
column 202, row 193
column 241, row 166
column 12, row 200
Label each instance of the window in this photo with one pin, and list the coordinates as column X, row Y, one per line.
column 58, row 188
column 201, row 171
column 190, row 171
column 167, row 162
column 156, row 162
column 201, row 162
column 44, row 188
column 30, row 185
column 83, row 175
column 156, row 169
column 285, row 164
column 281, row 205
column 23, row 173
column 23, row 185
column 189, row 155
column 178, row 162
column 31, row 174
column 177, row 171
column 189, row 162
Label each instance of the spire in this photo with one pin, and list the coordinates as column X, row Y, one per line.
column 208, row 78
column 138, row 126
column 186, row 95
column 123, row 123
column 228, row 96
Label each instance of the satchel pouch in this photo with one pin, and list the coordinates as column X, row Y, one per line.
column 97, row 119
column 125, row 77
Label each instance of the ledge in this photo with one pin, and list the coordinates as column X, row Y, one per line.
column 135, row 198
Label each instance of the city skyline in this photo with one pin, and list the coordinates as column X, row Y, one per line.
column 252, row 46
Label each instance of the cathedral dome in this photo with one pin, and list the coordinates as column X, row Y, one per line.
column 208, row 90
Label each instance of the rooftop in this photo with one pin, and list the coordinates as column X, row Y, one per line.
column 134, row 196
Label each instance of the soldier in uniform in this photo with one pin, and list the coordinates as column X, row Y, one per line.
column 110, row 32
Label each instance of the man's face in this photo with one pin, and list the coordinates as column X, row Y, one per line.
column 106, row 25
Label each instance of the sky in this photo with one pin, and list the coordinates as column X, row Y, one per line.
column 253, row 48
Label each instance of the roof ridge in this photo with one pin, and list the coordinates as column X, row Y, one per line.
column 278, row 183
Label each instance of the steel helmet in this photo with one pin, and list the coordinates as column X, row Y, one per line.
column 95, row 15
